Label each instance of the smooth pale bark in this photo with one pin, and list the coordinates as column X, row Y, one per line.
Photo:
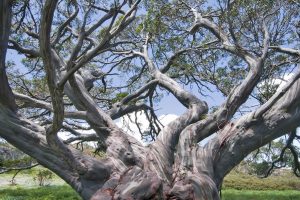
column 242, row 136
column 174, row 166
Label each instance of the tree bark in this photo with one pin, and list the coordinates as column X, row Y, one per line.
column 172, row 167
column 6, row 95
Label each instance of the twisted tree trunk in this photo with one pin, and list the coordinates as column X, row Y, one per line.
column 175, row 166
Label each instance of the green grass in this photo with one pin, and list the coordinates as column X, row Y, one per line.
column 242, row 181
column 260, row 195
column 40, row 193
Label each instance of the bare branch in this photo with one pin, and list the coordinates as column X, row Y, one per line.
column 46, row 52
column 32, row 34
column 168, row 138
column 65, row 24
column 266, row 41
column 83, row 138
column 280, row 158
column 5, row 170
column 217, row 31
column 171, row 60
column 56, row 92
column 289, row 51
column 120, row 110
column 32, row 53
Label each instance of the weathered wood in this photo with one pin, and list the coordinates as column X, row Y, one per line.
column 6, row 96
column 172, row 167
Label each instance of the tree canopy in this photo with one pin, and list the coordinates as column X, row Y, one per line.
column 85, row 64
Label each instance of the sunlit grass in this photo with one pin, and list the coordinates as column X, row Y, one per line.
column 260, row 195
column 40, row 193
column 241, row 181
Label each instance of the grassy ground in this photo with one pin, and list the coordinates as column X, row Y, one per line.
column 241, row 181
column 66, row 193
column 25, row 179
column 41, row 193
column 231, row 194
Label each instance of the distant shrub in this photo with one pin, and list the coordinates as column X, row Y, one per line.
column 43, row 177
column 259, row 168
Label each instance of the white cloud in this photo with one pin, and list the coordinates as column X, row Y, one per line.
column 277, row 81
column 66, row 135
column 128, row 123
column 166, row 119
column 283, row 81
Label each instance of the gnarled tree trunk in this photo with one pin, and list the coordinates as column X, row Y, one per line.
column 174, row 166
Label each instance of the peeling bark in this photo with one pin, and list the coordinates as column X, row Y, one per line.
column 172, row 167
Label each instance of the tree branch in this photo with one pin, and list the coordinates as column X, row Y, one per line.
column 280, row 159
column 217, row 31
column 102, row 46
column 48, row 56
column 244, row 135
column 30, row 138
column 35, row 103
column 290, row 51
column 83, row 138
column 213, row 122
column 6, row 95
column 65, row 24
column 168, row 138
column 5, row 170
column 32, row 53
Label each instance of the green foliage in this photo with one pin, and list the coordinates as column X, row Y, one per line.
column 154, row 22
column 118, row 21
column 259, row 168
column 25, row 161
column 36, row 85
column 227, row 77
column 43, row 177
column 260, row 161
column 139, row 28
column 119, row 97
column 202, row 117
column 11, row 157
column 266, row 91
column 102, row 32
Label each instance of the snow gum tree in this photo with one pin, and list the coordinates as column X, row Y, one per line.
column 86, row 63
